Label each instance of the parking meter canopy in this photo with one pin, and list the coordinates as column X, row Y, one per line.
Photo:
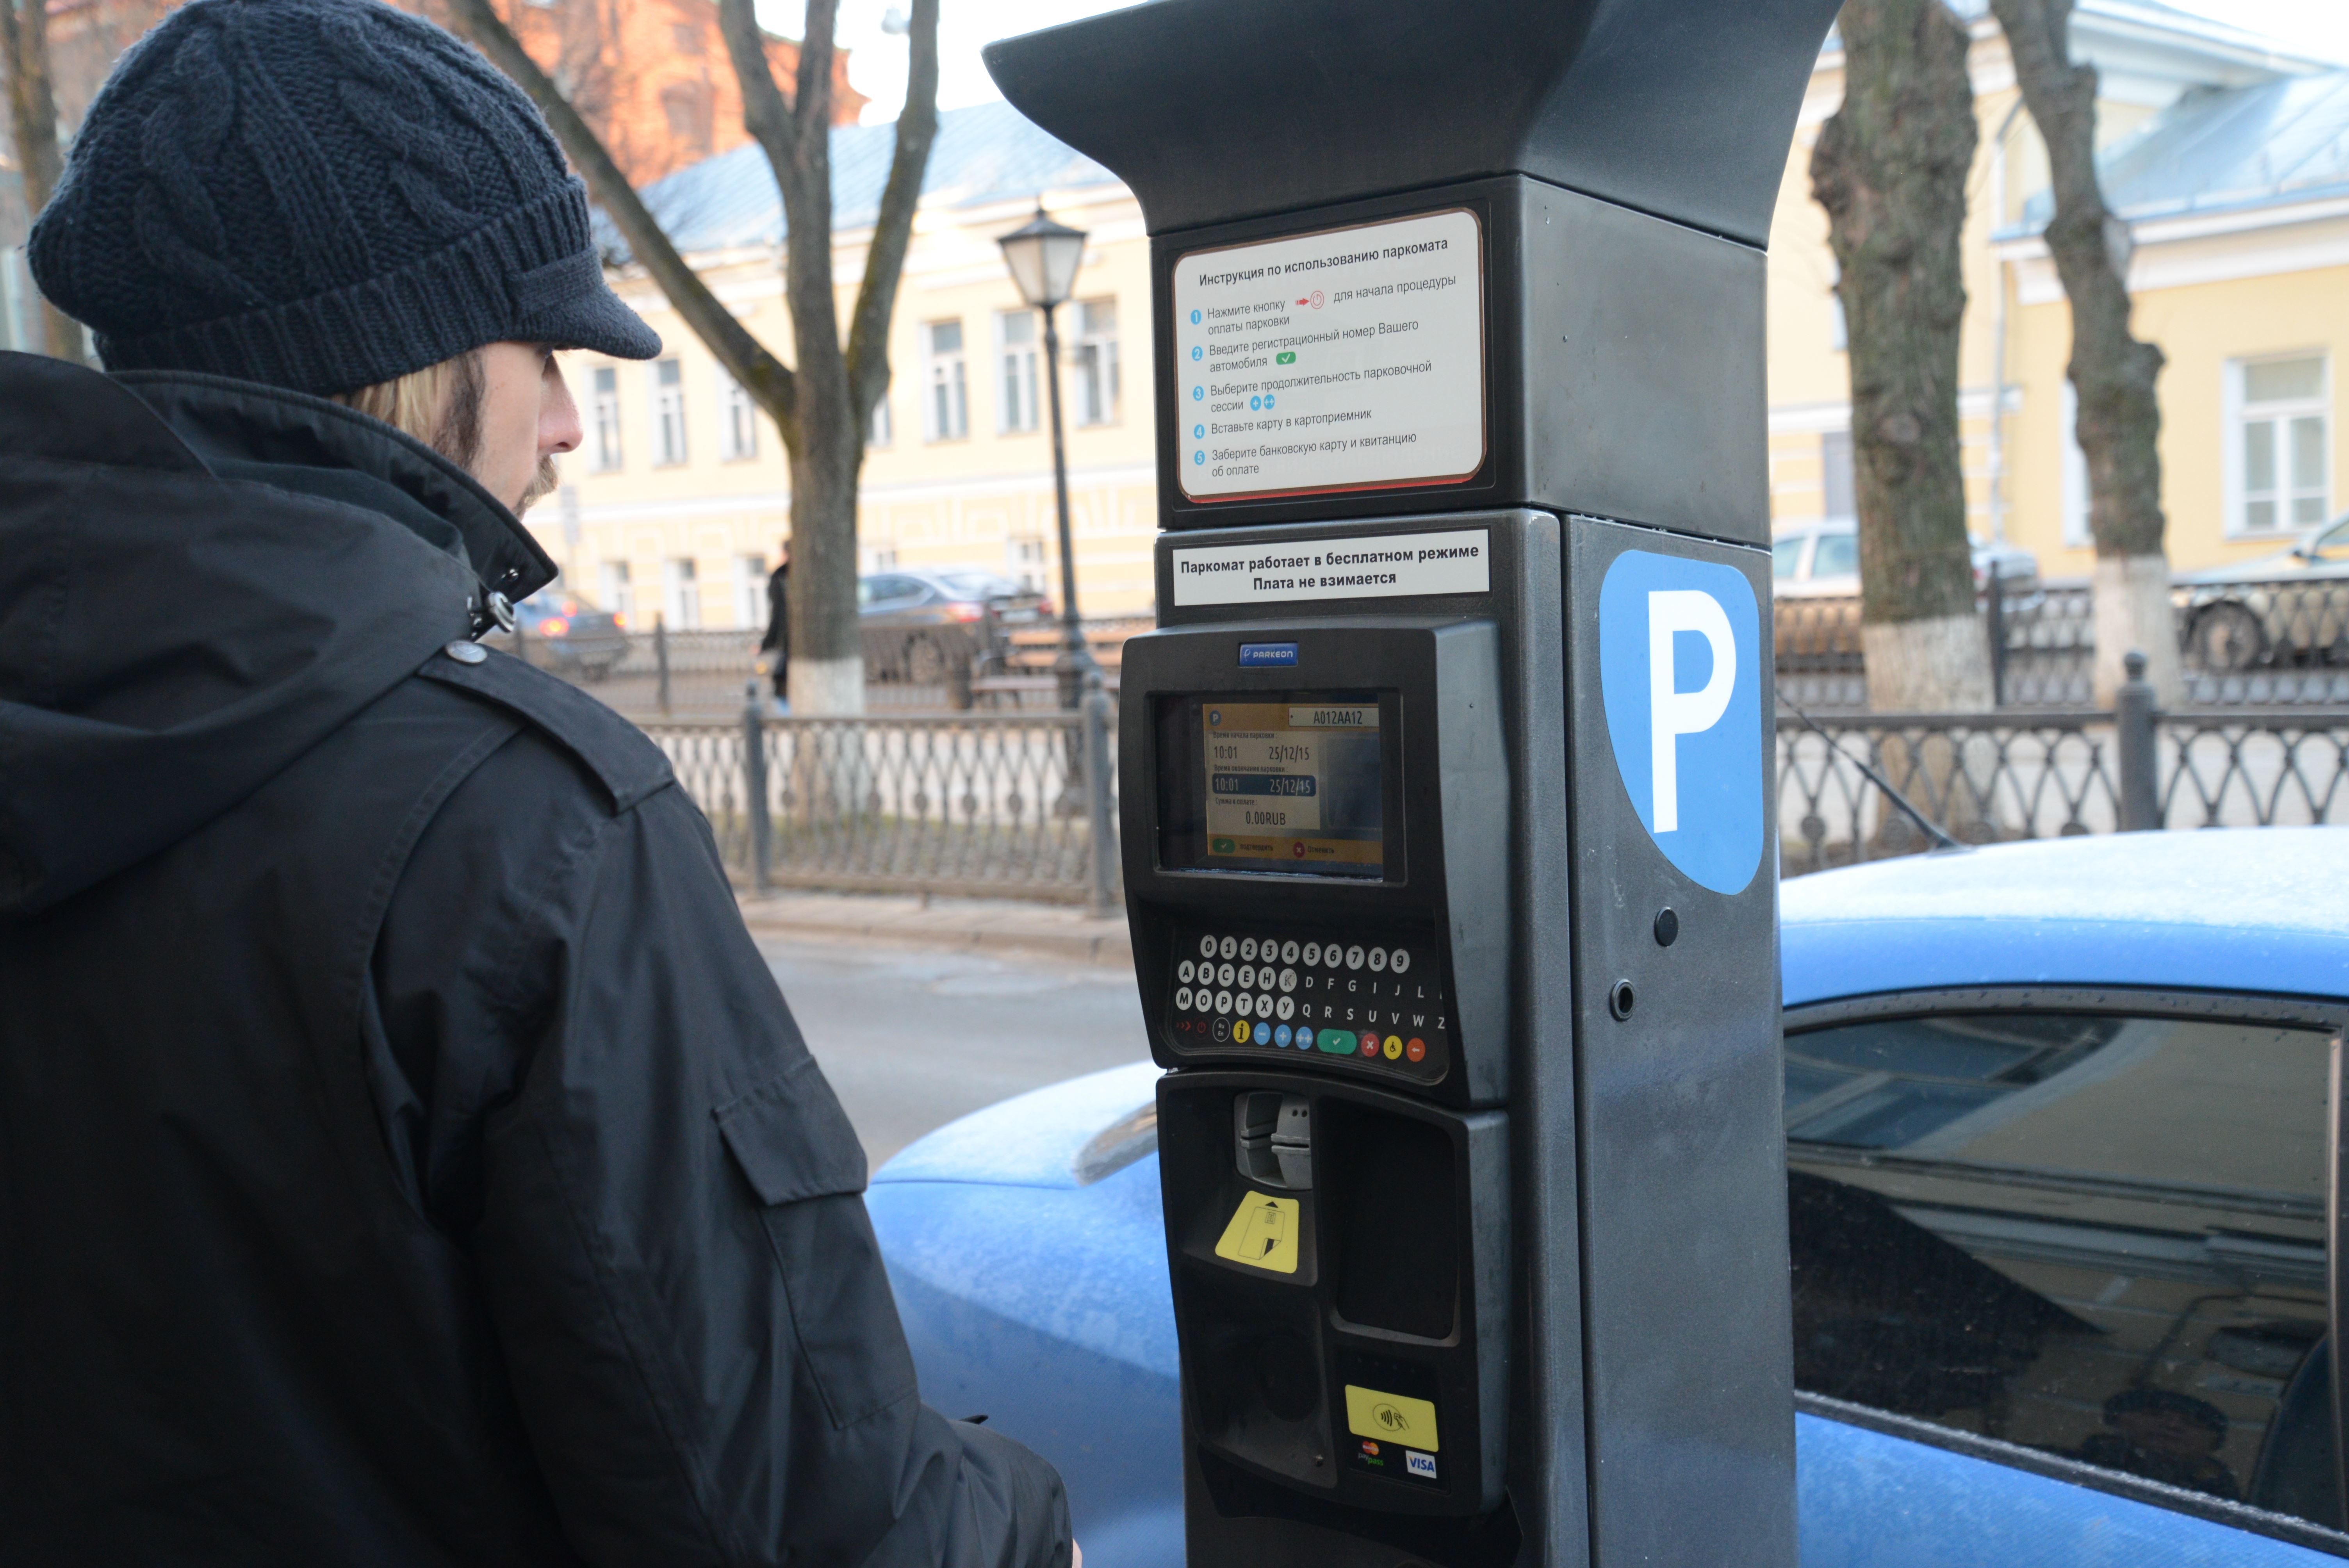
column 1217, row 110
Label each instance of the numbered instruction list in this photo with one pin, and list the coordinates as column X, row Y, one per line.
column 1349, row 359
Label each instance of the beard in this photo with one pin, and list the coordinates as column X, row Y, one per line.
column 542, row 485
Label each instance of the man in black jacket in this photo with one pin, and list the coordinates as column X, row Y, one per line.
column 405, row 1157
column 778, row 640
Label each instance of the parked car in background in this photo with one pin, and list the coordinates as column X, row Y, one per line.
column 1821, row 561
column 918, row 624
column 2288, row 608
column 2058, row 1187
column 563, row 631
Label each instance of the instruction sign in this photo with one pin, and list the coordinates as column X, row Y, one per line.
column 1378, row 566
column 1349, row 359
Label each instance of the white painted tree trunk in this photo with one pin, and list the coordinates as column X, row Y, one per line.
column 1936, row 665
column 2133, row 612
column 826, row 688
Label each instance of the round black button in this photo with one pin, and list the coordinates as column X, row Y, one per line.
column 1668, row 928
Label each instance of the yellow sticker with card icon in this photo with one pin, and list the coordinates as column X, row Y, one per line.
column 1262, row 1233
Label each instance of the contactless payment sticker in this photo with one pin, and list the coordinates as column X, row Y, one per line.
column 1262, row 1234
column 1680, row 665
column 1390, row 1418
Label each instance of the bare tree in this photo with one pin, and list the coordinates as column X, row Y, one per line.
column 33, row 126
column 1890, row 169
column 822, row 402
column 2118, row 422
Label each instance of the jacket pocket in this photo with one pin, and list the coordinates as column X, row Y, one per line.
column 795, row 1147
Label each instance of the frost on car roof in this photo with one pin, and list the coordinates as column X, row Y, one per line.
column 2281, row 879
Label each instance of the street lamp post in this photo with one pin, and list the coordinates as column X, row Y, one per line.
column 1043, row 258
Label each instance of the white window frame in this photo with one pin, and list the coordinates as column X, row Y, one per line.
column 1827, row 439
column 882, row 430
column 668, row 413
column 604, row 413
column 681, row 592
column 1018, row 391
column 750, row 589
column 2239, row 413
column 946, row 389
column 1023, row 558
column 1092, row 356
column 619, row 595
column 738, row 421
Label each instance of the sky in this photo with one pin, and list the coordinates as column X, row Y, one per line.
column 877, row 65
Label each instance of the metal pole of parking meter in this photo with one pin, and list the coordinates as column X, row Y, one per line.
column 1443, row 781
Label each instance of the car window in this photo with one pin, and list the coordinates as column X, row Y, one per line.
column 1837, row 555
column 887, row 589
column 2099, row 1237
column 2333, row 545
column 978, row 584
column 1787, row 555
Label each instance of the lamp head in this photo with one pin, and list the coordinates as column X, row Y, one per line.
column 1043, row 257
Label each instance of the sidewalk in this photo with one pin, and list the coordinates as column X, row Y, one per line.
column 1005, row 924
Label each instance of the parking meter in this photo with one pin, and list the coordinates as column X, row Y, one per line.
column 1451, row 882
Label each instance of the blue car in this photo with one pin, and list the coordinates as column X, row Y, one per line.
column 2058, row 1180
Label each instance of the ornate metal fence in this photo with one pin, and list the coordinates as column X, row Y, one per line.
column 2248, row 644
column 999, row 805
column 1993, row 778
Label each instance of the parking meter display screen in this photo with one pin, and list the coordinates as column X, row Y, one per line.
column 1284, row 782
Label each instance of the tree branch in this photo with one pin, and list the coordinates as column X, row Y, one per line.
column 759, row 373
column 33, row 122
column 884, row 258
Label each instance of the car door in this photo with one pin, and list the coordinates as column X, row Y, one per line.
column 2061, row 1279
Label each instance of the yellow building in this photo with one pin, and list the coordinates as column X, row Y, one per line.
column 2227, row 154
column 676, row 500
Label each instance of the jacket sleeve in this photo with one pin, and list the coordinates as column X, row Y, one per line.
column 675, row 1250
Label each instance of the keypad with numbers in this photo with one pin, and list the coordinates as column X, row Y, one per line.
column 1360, row 998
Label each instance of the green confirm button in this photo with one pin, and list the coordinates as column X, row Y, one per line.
column 1289, row 358
column 1336, row 1042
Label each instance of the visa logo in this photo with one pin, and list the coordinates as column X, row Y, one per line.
column 1253, row 654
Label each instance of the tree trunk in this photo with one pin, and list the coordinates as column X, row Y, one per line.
column 33, row 125
column 2113, row 375
column 823, row 404
column 1890, row 169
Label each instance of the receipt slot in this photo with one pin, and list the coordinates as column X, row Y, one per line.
column 1447, row 863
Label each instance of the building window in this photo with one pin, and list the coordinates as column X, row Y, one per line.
column 1838, row 496
column 686, row 107
column 1024, row 559
column 612, row 578
column 607, row 419
column 739, row 421
column 1094, row 361
column 883, row 429
column 1015, row 338
column 750, row 589
column 681, row 593
column 2277, row 449
column 668, row 413
column 946, row 409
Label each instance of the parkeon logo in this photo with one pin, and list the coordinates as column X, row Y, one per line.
column 1679, row 654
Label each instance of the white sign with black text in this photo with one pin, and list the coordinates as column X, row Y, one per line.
column 1381, row 566
column 1349, row 359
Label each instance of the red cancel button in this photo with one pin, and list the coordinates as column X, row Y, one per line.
column 1369, row 1044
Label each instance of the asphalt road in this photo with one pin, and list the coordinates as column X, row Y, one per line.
column 912, row 1038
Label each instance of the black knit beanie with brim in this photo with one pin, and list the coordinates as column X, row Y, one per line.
column 319, row 194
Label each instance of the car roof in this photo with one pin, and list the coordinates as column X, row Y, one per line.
column 2258, row 910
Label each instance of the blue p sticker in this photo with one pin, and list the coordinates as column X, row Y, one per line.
column 1680, row 657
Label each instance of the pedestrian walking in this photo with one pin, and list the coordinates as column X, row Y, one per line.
column 777, row 643
column 408, row 1158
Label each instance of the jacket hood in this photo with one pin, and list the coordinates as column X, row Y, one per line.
column 200, row 579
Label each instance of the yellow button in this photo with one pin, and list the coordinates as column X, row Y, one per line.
column 1240, row 1031
column 1390, row 1418
column 1393, row 1048
column 1263, row 1235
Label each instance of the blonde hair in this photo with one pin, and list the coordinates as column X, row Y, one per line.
column 440, row 405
